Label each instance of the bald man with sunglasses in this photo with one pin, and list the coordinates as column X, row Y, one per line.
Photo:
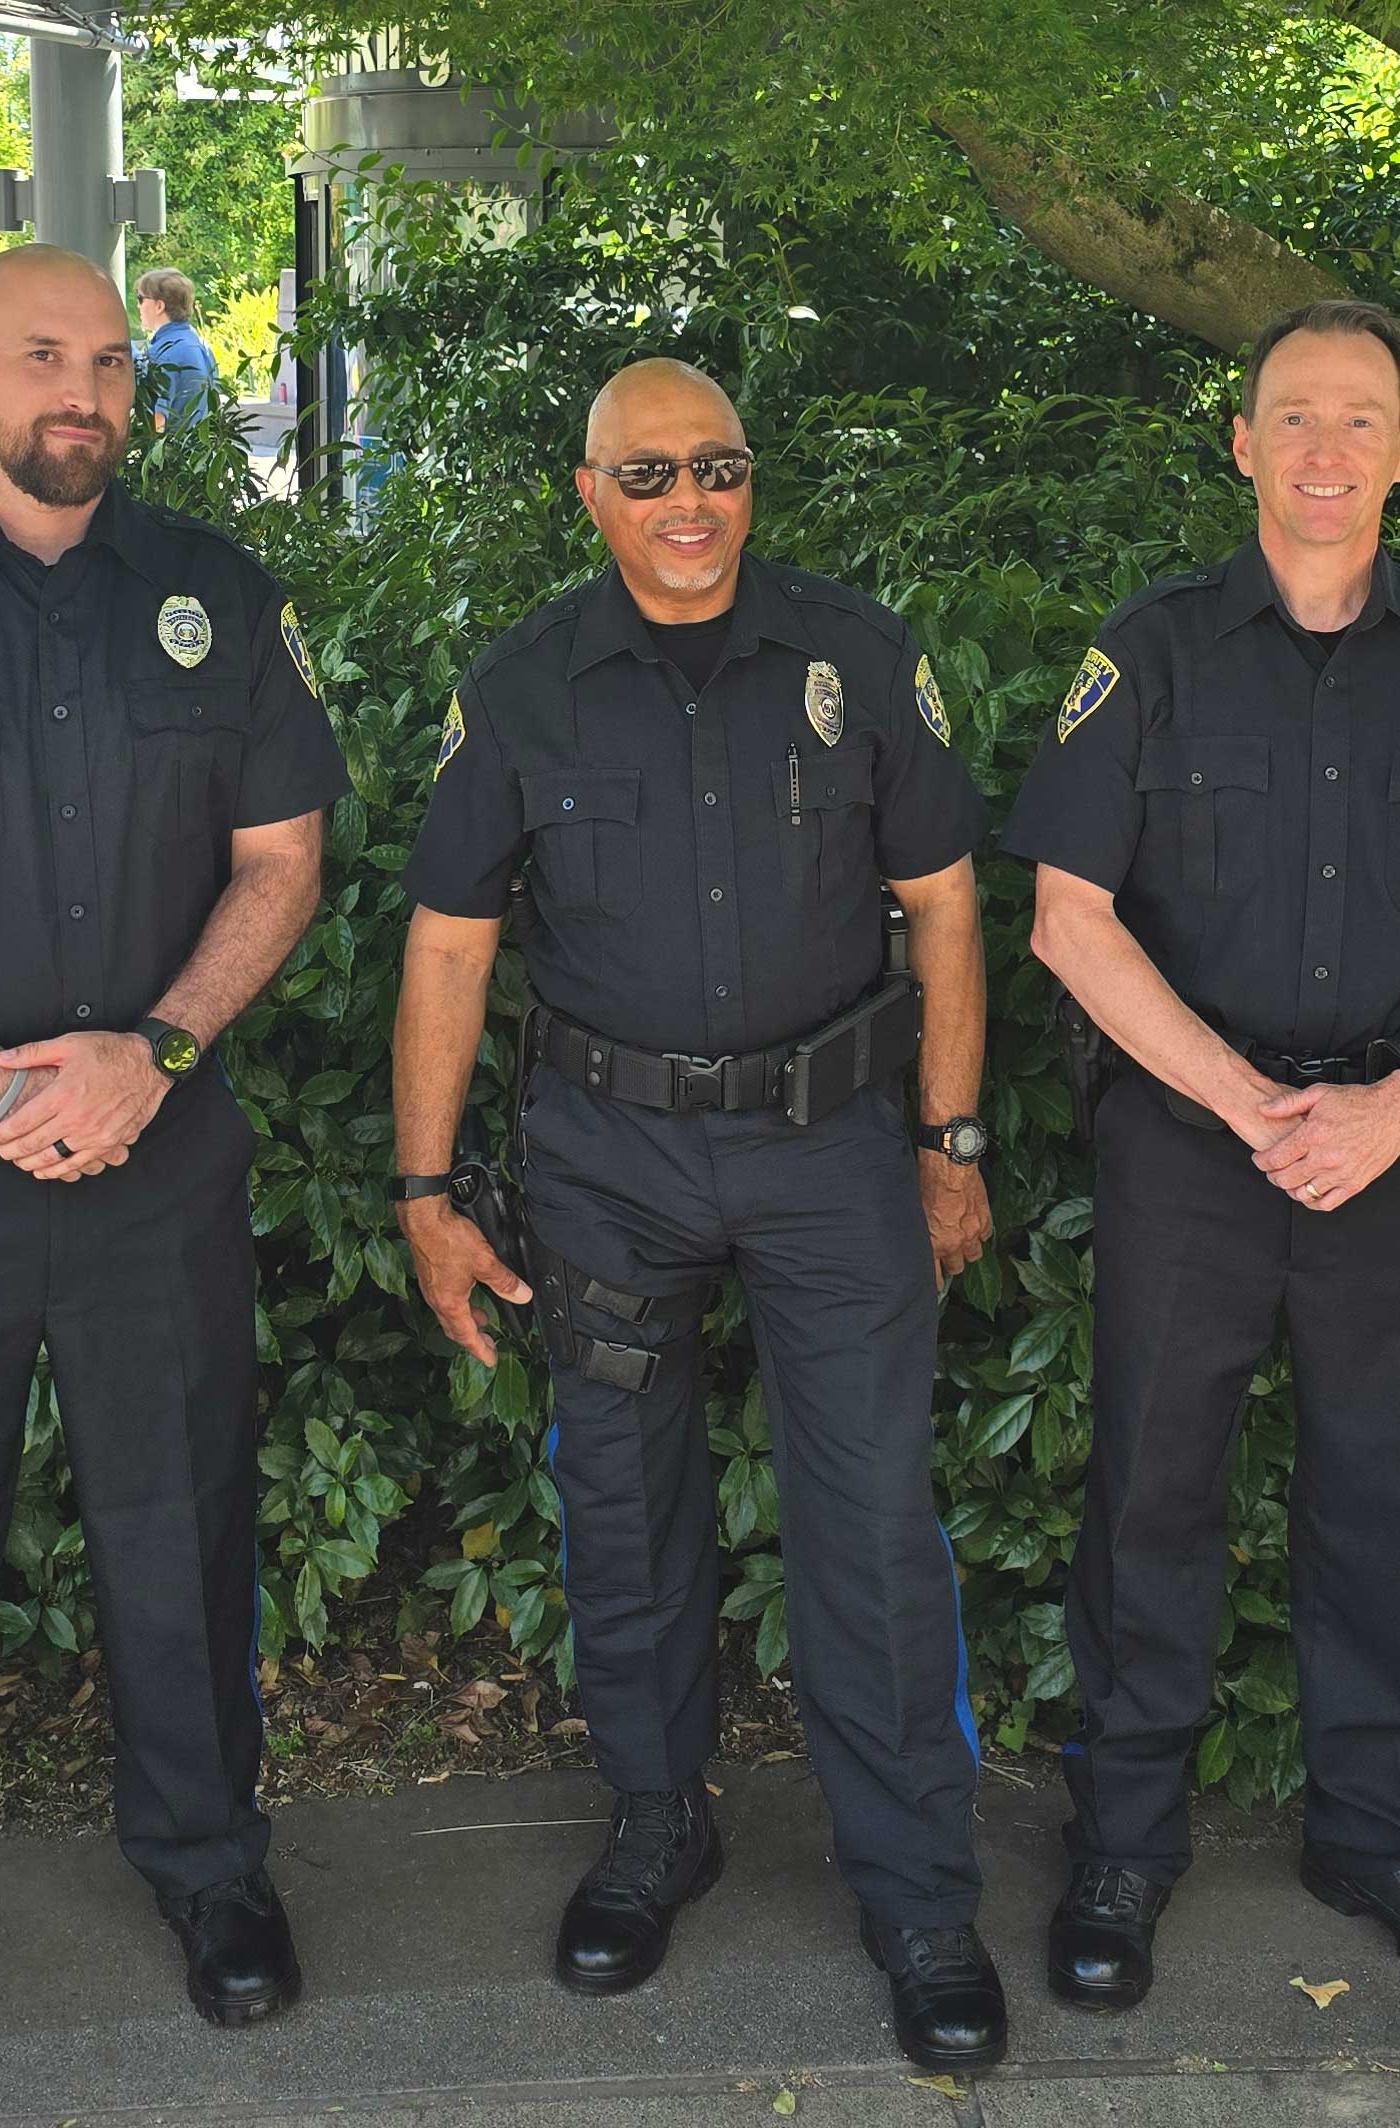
column 705, row 765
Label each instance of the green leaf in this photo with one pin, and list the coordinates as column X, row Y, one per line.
column 324, row 1443
column 16, row 1626
column 510, row 1398
column 1052, row 1676
column 385, row 1265
column 324, row 1088
column 772, row 1650
column 321, row 1205
column 470, row 1600
column 1001, row 1427
column 58, row 1628
column 1216, row 1754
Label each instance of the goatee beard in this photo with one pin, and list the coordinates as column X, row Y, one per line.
column 65, row 479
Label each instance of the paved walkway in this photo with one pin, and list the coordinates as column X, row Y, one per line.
column 425, row 1922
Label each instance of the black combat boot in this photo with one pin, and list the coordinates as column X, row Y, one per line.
column 949, row 2011
column 663, row 1848
column 1101, row 1937
column 1351, row 1890
column 238, row 1947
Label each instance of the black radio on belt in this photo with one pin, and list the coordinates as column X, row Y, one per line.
column 867, row 1045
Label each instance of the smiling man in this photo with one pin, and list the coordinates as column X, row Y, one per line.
column 1216, row 821
column 707, row 764
column 164, row 759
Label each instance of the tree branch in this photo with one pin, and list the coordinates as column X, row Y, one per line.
column 1183, row 261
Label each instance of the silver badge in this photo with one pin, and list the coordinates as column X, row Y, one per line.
column 183, row 630
column 825, row 710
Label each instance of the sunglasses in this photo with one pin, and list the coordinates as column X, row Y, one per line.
column 714, row 473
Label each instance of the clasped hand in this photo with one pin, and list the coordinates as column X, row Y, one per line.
column 95, row 1092
column 1335, row 1138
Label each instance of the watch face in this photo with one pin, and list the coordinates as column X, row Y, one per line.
column 177, row 1052
column 967, row 1141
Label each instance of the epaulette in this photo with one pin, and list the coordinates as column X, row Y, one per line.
column 809, row 589
column 1165, row 587
column 180, row 521
column 523, row 634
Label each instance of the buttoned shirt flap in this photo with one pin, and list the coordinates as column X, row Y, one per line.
column 586, row 850
column 1214, row 785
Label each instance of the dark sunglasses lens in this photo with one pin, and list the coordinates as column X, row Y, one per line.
column 719, row 475
column 644, row 477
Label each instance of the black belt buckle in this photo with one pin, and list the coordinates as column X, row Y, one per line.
column 699, row 1080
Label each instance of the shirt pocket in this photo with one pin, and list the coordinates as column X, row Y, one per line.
column 831, row 843
column 1216, row 788
column 185, row 733
column 586, row 854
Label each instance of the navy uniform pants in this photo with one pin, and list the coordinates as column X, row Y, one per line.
column 1198, row 1256
column 825, row 1230
column 140, row 1283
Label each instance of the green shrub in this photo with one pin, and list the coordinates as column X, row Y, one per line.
column 1004, row 530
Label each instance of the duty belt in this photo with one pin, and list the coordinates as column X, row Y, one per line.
column 1376, row 1061
column 807, row 1079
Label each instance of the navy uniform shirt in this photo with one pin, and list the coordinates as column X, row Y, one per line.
column 688, row 897
column 1235, row 783
column 155, row 694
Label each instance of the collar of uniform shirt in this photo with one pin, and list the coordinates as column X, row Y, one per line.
column 136, row 536
column 610, row 620
column 1247, row 587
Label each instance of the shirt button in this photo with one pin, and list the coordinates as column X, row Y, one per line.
column 77, row 910
column 1320, row 974
column 710, row 798
column 831, row 790
column 196, row 709
column 716, row 894
column 83, row 1012
column 690, row 709
column 721, row 989
column 55, row 617
column 796, row 590
column 568, row 804
column 68, row 812
column 1331, row 774
column 1329, row 681
column 60, row 712
column 1329, row 871
column 1196, row 776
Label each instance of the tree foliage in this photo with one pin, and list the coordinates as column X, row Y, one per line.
column 962, row 449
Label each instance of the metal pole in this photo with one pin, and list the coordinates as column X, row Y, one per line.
column 76, row 130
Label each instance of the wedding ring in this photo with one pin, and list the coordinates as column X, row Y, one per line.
column 65, row 1152
column 1311, row 1190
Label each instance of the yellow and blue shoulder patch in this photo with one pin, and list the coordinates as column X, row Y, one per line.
column 930, row 702
column 1093, row 683
column 296, row 648
column 454, row 731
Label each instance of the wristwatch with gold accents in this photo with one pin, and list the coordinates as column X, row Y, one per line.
column 963, row 1139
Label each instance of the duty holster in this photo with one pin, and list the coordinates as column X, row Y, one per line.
column 488, row 1191
column 1091, row 1059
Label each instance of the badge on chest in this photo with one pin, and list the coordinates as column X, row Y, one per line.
column 184, row 632
column 826, row 712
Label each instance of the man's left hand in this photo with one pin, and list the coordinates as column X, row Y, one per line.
column 1342, row 1138
column 105, row 1090
column 958, row 1214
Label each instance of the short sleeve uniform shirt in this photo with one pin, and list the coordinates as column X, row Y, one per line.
column 1234, row 782
column 155, row 695
column 705, row 863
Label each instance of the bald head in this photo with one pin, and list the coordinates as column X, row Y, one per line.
column 35, row 274
column 66, row 380
column 652, row 392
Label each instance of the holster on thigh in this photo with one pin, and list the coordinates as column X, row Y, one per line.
column 559, row 1285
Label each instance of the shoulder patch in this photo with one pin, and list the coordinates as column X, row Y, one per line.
column 296, row 648
column 1093, row 683
column 930, row 702
column 454, row 731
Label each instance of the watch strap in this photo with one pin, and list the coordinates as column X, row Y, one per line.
column 404, row 1189
column 154, row 1032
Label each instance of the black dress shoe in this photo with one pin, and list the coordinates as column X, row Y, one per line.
column 663, row 1848
column 1101, row 1937
column 1352, row 1891
column 949, row 2011
column 238, row 1948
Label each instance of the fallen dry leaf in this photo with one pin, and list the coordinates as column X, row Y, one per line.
column 1323, row 1992
column 82, row 1695
column 785, row 2102
column 771, row 1758
column 480, row 1693
column 946, row 2084
column 430, row 1780
column 570, row 1726
column 529, row 1708
column 713, row 1789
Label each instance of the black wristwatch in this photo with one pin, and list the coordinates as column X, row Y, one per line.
column 963, row 1139
column 403, row 1189
column 175, row 1049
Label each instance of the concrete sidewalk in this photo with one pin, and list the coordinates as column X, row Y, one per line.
column 425, row 1923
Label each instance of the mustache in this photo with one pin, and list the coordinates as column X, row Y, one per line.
column 98, row 423
column 690, row 524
